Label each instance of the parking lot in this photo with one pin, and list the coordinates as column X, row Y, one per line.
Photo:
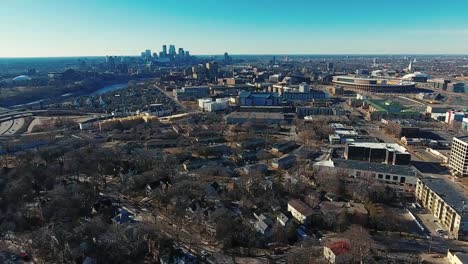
column 431, row 224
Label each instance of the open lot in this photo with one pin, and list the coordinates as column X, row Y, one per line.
column 10, row 127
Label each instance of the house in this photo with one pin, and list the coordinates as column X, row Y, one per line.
column 124, row 217
column 283, row 162
column 263, row 228
column 194, row 164
column 300, row 211
column 263, row 224
column 283, row 147
column 247, row 155
column 282, row 219
column 162, row 184
column 251, row 144
column 337, row 252
column 257, row 168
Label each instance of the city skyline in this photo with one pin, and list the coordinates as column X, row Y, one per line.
column 95, row 28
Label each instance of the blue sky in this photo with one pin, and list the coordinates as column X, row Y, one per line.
column 126, row 27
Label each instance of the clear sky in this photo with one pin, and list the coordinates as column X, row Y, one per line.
column 126, row 27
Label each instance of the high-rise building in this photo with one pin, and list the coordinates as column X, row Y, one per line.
column 458, row 162
column 110, row 62
column 212, row 68
column 164, row 50
column 227, row 58
column 330, row 67
column 181, row 53
column 172, row 50
column 148, row 54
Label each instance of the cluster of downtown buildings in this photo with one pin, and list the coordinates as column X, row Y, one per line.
column 166, row 55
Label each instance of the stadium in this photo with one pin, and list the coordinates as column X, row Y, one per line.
column 373, row 85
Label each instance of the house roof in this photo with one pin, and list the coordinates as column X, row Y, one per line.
column 339, row 247
column 301, row 207
column 282, row 217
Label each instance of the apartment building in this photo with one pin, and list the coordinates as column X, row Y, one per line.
column 447, row 202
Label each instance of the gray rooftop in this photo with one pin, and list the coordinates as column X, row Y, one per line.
column 456, row 197
column 405, row 170
column 464, row 138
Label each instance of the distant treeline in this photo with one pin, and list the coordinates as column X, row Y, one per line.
column 44, row 89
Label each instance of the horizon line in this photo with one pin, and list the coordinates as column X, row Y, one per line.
column 252, row 54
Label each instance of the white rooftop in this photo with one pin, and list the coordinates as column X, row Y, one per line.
column 380, row 146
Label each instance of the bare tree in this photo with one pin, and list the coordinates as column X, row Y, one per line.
column 361, row 243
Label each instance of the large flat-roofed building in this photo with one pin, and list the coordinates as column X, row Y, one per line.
column 304, row 96
column 247, row 98
column 310, row 110
column 386, row 173
column 458, row 162
column 441, row 84
column 191, row 93
column 382, row 109
column 459, row 87
column 389, row 153
column 259, row 117
column 402, row 128
column 447, row 202
column 373, row 85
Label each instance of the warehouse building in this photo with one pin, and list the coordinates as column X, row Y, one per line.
column 403, row 175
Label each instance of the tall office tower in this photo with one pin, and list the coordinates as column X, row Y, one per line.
column 212, row 68
column 110, row 62
column 172, row 50
column 164, row 51
column 410, row 66
column 227, row 59
column 155, row 55
column 330, row 67
column 187, row 53
column 375, row 62
column 181, row 53
column 458, row 162
column 148, row 54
